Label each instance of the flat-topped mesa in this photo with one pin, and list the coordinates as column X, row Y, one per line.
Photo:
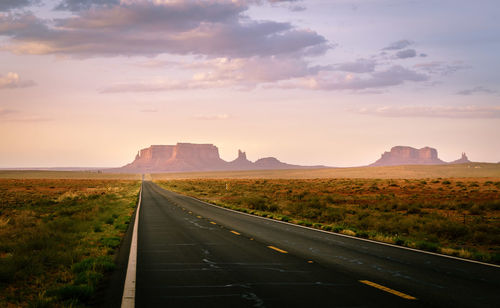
column 151, row 158
column 404, row 155
column 190, row 151
column 195, row 157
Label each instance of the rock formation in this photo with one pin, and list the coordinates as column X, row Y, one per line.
column 241, row 162
column 195, row 157
column 462, row 160
column 404, row 155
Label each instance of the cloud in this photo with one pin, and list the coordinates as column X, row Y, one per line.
column 407, row 53
column 4, row 112
column 477, row 90
column 241, row 73
column 393, row 76
column 6, row 5
column 441, row 68
column 10, row 115
column 80, row 5
column 222, row 116
column 433, row 111
column 398, row 45
column 290, row 4
column 12, row 81
column 149, row 110
column 358, row 66
column 151, row 86
column 254, row 70
column 209, row 28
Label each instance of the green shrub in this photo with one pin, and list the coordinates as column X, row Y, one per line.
column 91, row 278
column 414, row 209
column 428, row 246
column 399, row 241
column 111, row 242
column 79, row 292
column 102, row 264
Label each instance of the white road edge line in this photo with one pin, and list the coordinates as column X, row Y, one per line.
column 348, row 236
column 128, row 298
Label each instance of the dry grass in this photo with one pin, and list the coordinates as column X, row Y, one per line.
column 57, row 237
column 394, row 172
column 40, row 174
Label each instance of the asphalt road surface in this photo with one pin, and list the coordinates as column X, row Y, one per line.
column 191, row 254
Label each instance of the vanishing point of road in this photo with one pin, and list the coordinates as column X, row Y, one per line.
column 192, row 254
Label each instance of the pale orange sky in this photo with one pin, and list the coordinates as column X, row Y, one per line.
column 310, row 82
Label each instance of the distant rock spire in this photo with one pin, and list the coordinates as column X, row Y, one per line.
column 242, row 155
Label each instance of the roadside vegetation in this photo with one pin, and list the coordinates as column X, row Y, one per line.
column 454, row 216
column 58, row 238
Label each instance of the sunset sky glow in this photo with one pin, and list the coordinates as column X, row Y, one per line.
column 334, row 82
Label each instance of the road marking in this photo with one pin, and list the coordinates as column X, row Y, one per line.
column 386, row 289
column 234, row 232
column 128, row 297
column 198, row 216
column 343, row 235
column 213, row 223
column 277, row 249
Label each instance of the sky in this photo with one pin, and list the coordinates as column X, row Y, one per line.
column 88, row 83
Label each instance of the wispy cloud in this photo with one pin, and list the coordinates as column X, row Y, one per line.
column 6, row 5
column 477, row 90
column 406, row 53
column 149, row 110
column 4, row 112
column 392, row 76
column 13, row 81
column 11, row 115
column 223, row 116
column 472, row 111
column 80, row 5
column 239, row 73
column 441, row 68
column 401, row 44
column 358, row 66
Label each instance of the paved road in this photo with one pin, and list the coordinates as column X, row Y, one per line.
column 191, row 254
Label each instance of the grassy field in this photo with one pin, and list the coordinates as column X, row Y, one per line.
column 394, row 172
column 455, row 216
column 58, row 238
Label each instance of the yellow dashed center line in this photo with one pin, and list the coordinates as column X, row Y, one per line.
column 213, row 223
column 277, row 249
column 386, row 289
column 234, row 232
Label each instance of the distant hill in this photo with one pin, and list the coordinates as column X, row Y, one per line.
column 405, row 155
column 184, row 157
